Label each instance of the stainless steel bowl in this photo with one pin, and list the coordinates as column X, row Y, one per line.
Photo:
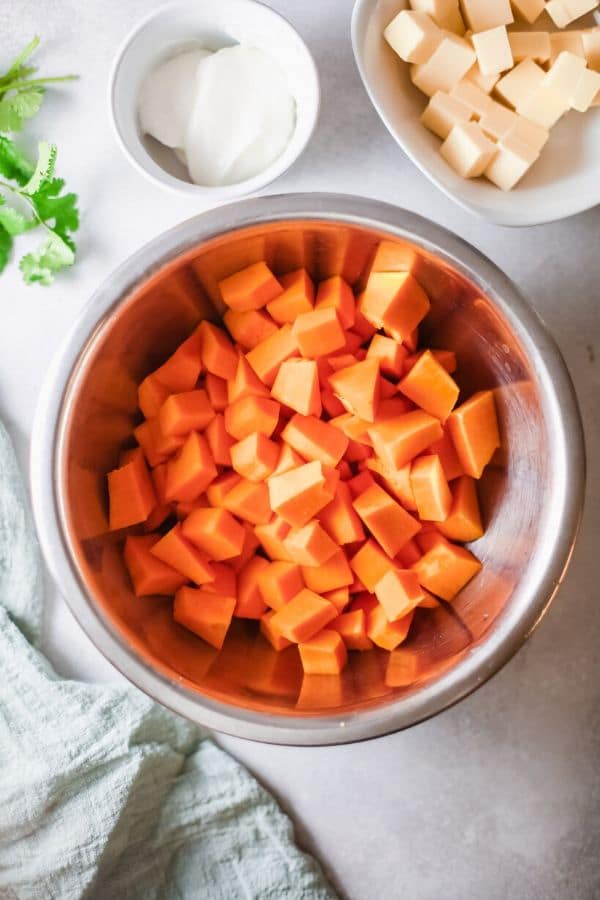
column 531, row 496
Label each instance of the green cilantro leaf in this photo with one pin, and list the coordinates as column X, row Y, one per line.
column 12, row 221
column 18, row 106
column 6, row 243
column 14, row 165
column 44, row 168
column 41, row 265
column 59, row 212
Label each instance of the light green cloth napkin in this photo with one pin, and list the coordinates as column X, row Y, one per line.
column 104, row 794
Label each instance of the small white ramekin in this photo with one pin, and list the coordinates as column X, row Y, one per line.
column 211, row 24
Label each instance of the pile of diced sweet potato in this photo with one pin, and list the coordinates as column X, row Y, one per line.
column 305, row 465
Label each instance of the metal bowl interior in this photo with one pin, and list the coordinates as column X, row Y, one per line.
column 530, row 494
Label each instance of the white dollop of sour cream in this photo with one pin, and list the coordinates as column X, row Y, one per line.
column 227, row 115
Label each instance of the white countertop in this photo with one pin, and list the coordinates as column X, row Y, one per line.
column 500, row 796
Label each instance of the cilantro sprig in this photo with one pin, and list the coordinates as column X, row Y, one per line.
column 37, row 195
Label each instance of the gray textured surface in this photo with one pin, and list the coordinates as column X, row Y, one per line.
column 500, row 796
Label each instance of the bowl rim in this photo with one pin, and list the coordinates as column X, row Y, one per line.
column 217, row 193
column 481, row 661
column 523, row 216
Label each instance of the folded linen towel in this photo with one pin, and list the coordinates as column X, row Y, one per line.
column 105, row 794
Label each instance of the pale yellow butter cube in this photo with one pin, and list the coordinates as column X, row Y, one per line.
column 559, row 13
column 484, row 82
column 413, row 36
column 512, row 160
column 449, row 62
column 578, row 8
column 468, row 150
column 565, row 73
column 516, row 86
column 493, row 50
column 561, row 41
column 590, row 41
column 529, row 133
column 530, row 45
column 497, row 121
column 585, row 91
column 472, row 97
column 445, row 13
column 544, row 106
column 484, row 14
column 453, row 21
column 530, row 10
column 443, row 112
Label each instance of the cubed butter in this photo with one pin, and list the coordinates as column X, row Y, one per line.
column 468, row 150
column 472, row 97
column 445, row 13
column 413, row 35
column 565, row 73
column 485, row 82
column 517, row 85
column 591, row 47
column 484, row 14
column 558, row 12
column 586, row 90
column 544, row 106
column 530, row 10
column 493, row 50
column 497, row 121
column 565, row 40
column 530, row 45
column 529, row 133
column 443, row 112
column 578, row 8
column 449, row 62
column 511, row 161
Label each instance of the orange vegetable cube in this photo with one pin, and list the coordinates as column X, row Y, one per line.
column 464, row 519
column 220, row 487
column 324, row 654
column 360, row 483
column 309, row 545
column 474, row 430
column 224, row 582
column 252, row 414
column 315, row 439
column 249, row 548
column 446, row 359
column 182, row 369
column 430, row 488
column 219, row 442
column 394, row 301
column 175, row 551
column 329, row 576
column 216, row 388
column 249, row 500
column 245, row 383
column 250, row 603
column 336, row 293
column 298, row 297
column 148, row 574
column 446, row 568
column 340, row 361
column 131, row 494
column 395, row 481
column 353, row 427
column 358, row 387
column 362, row 326
column 303, row 616
column 214, row 531
column 444, row 448
column 339, row 517
column 182, row 413
column 219, row 356
column 390, row 354
column 191, row 471
column 409, row 554
column 272, row 536
column 207, row 615
column 267, row 356
column 365, row 601
column 278, row 582
column 298, row 495
column 272, row 634
column 352, row 628
column 340, row 597
column 398, row 440
column 398, row 593
column 288, row 459
column 330, row 403
column 252, row 288
column 297, row 386
column 391, row 525
column 430, row 387
column 249, row 326
column 152, row 393
column 319, row 332
column 255, row 457
column 147, row 434
column 387, row 635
